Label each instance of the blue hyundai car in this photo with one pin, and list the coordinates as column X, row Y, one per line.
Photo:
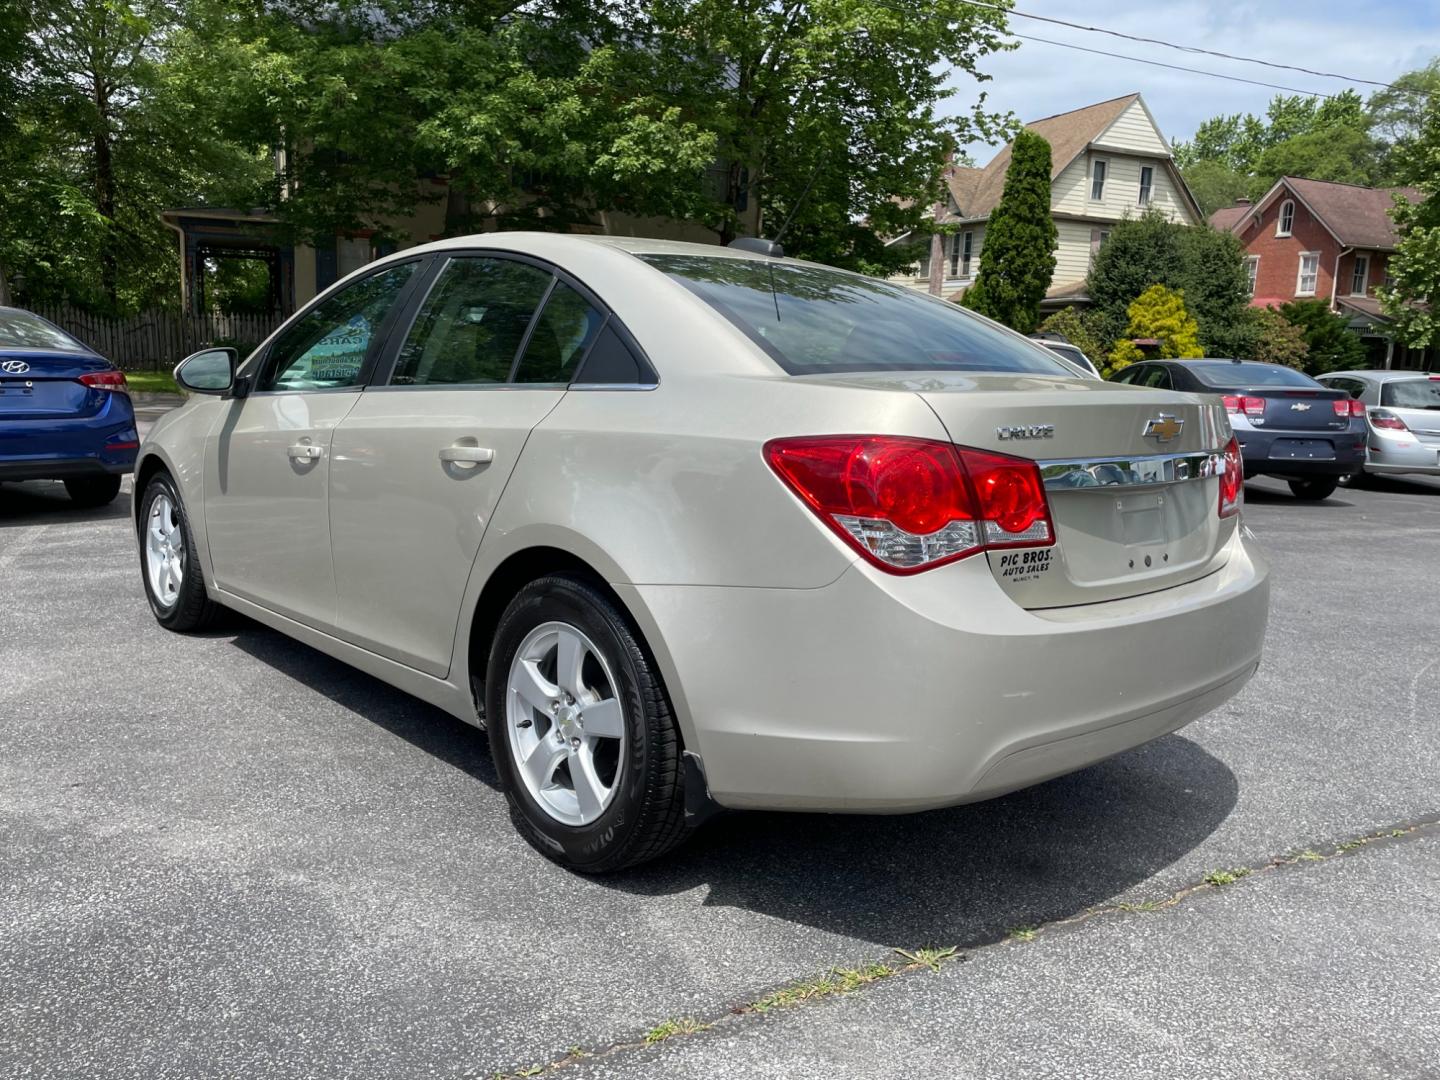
column 65, row 411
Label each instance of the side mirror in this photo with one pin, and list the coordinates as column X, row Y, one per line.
column 209, row 371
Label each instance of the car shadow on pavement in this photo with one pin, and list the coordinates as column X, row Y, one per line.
column 1262, row 496
column 44, row 502
column 422, row 725
column 966, row 875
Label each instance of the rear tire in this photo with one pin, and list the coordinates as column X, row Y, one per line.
column 1313, row 490
column 92, row 491
column 168, row 564
column 634, row 781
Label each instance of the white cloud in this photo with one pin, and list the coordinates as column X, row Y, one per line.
column 1371, row 41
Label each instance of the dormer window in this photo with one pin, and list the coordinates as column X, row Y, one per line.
column 1287, row 218
column 1097, row 180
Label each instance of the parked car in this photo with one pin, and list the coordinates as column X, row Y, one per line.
column 684, row 526
column 1402, row 409
column 1062, row 346
column 1289, row 425
column 65, row 413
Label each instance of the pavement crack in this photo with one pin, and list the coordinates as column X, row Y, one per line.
column 843, row 981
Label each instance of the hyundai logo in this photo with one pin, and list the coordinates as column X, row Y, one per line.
column 14, row 367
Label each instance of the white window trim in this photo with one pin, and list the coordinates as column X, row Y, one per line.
column 967, row 250
column 1280, row 229
column 1252, row 272
column 1365, row 281
column 1147, row 194
column 1300, row 273
column 1103, row 181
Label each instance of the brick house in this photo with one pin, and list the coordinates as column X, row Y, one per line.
column 1108, row 161
column 1315, row 239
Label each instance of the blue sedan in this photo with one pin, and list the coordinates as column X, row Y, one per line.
column 65, row 412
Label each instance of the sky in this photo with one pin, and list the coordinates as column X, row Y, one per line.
column 1369, row 39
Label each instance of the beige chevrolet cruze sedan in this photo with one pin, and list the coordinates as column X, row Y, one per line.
column 686, row 527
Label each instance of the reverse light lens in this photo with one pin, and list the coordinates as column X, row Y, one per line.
column 113, row 381
column 912, row 504
column 1232, row 479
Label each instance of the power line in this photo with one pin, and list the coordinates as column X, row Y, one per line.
column 1191, row 49
column 1172, row 67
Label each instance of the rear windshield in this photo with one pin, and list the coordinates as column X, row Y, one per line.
column 1226, row 373
column 21, row 330
column 812, row 320
column 1411, row 394
column 1073, row 354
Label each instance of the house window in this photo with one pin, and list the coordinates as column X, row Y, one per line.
column 966, row 248
column 1097, row 241
column 923, row 270
column 1309, row 273
column 954, row 254
column 1147, row 181
column 1360, row 279
column 1287, row 218
column 1252, row 271
column 1097, row 180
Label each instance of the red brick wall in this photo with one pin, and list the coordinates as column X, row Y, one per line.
column 1347, row 271
column 1280, row 255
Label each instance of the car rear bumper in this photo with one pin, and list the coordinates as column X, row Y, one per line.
column 887, row 694
column 1402, row 455
column 54, row 449
column 1301, row 453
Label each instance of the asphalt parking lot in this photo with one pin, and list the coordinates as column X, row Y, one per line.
column 228, row 855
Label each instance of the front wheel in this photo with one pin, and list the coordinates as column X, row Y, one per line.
column 1313, row 490
column 169, row 567
column 92, row 491
column 581, row 731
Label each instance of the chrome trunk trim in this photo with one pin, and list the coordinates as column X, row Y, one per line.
column 1141, row 470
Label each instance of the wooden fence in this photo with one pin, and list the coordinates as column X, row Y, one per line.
column 158, row 340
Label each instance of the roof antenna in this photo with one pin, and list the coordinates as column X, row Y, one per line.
column 759, row 244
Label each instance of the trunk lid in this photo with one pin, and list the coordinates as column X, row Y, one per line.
column 45, row 385
column 1130, row 475
column 1299, row 409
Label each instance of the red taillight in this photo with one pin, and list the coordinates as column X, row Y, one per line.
column 1357, row 407
column 912, row 504
column 1349, row 407
column 1250, row 406
column 1232, row 479
column 106, row 380
column 1382, row 419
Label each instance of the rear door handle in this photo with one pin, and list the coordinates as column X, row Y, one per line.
column 305, row 452
column 467, row 455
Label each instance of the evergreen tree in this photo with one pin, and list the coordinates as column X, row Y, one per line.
column 1330, row 346
column 1018, row 260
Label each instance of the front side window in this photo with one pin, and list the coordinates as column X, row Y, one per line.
column 472, row 324
column 1360, row 279
column 1309, row 273
column 1147, row 181
column 325, row 348
column 565, row 330
column 1097, row 180
column 1252, row 272
column 814, row 320
column 1287, row 218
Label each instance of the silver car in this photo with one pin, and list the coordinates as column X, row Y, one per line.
column 1402, row 412
column 687, row 527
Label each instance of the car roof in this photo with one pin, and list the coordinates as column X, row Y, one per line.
column 550, row 245
column 1378, row 375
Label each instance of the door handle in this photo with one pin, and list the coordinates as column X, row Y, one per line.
column 305, row 452
column 467, row 455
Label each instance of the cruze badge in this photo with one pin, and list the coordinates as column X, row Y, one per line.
column 15, row 367
column 1027, row 431
column 1163, row 427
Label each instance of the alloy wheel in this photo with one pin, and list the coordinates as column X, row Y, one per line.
column 164, row 551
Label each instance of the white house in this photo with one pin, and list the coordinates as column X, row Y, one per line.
column 1108, row 162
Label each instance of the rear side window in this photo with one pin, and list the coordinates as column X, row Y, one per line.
column 1411, row 394
column 813, row 320
column 21, row 330
column 472, row 324
column 1226, row 373
column 565, row 329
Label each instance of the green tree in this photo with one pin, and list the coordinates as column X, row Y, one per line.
column 1415, row 267
column 1020, row 241
column 1217, row 291
column 1395, row 113
column 1330, row 344
column 1215, row 184
column 1157, row 313
column 1277, row 340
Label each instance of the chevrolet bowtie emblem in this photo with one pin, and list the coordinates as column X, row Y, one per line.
column 1163, row 427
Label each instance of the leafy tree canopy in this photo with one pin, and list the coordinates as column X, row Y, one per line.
column 1278, row 340
column 1329, row 343
column 1159, row 314
column 1020, row 240
column 1415, row 268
